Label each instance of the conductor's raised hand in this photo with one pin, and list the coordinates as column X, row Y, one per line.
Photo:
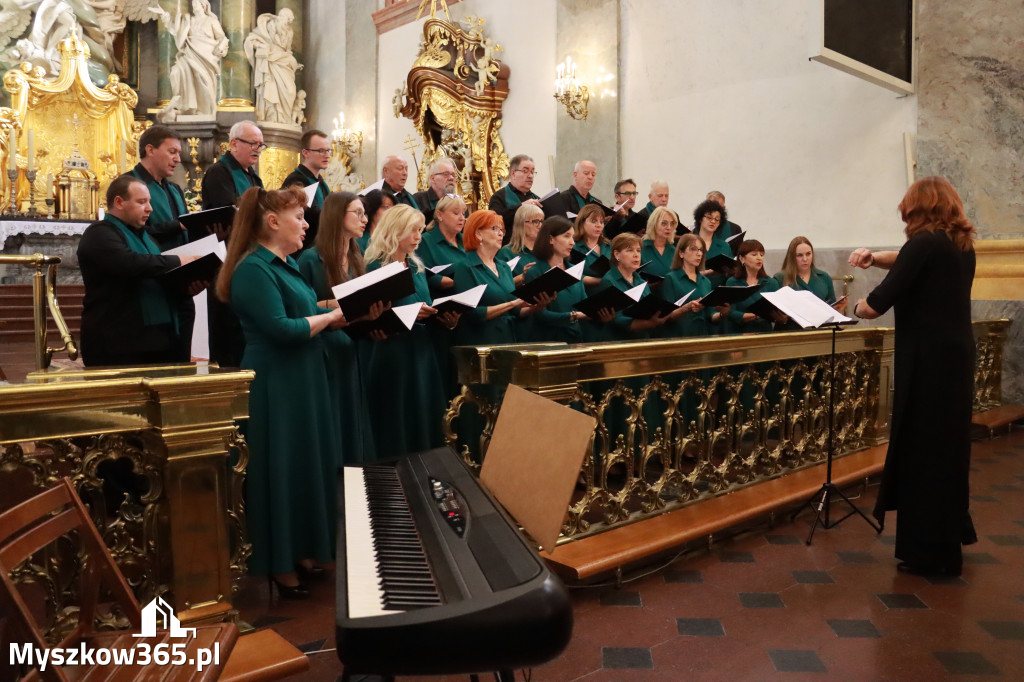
column 862, row 258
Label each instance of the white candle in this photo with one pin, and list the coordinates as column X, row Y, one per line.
column 122, row 157
column 31, row 149
column 12, row 150
column 49, row 185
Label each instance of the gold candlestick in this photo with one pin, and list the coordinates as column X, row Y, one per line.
column 32, row 212
column 12, row 210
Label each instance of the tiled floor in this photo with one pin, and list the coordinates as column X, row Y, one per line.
column 767, row 606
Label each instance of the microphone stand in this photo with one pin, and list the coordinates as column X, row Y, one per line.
column 823, row 498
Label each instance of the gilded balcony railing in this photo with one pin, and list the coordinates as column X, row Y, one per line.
column 44, row 296
column 682, row 420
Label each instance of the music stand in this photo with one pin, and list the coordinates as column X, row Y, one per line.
column 828, row 488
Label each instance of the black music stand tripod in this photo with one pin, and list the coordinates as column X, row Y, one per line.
column 828, row 489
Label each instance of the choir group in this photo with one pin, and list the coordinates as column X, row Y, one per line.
column 324, row 395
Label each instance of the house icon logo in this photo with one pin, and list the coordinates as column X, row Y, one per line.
column 159, row 610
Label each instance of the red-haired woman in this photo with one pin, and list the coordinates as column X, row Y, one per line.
column 292, row 431
column 929, row 285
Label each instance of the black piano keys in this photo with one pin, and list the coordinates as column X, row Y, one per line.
column 405, row 576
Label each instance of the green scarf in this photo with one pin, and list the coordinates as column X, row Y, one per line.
column 158, row 197
column 242, row 179
column 156, row 309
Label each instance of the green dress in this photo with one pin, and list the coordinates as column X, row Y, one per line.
column 525, row 258
column 435, row 250
column 657, row 263
column 293, row 429
column 602, row 250
column 735, row 324
column 619, row 328
column 404, row 388
column 719, row 247
column 347, row 383
column 474, row 327
column 676, row 285
column 820, row 285
column 553, row 322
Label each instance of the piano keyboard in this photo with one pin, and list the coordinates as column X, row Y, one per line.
column 394, row 574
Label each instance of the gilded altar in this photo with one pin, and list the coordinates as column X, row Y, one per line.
column 453, row 94
column 67, row 114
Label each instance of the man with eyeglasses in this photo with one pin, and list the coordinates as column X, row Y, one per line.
column 233, row 173
column 625, row 194
column 442, row 182
column 730, row 228
column 507, row 200
column 395, row 172
column 315, row 155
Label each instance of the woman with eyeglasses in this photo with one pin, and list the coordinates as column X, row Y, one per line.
column 404, row 387
column 293, row 431
column 375, row 203
column 588, row 231
column 525, row 227
column 336, row 258
column 442, row 243
column 709, row 219
column 659, row 242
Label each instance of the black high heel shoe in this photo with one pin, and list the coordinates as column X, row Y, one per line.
column 287, row 591
column 313, row 572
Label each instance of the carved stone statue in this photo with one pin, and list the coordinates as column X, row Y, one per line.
column 269, row 49
column 113, row 16
column 201, row 44
column 51, row 22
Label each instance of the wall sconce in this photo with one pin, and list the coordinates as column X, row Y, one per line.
column 570, row 92
column 345, row 141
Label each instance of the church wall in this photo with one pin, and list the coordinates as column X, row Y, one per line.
column 525, row 30
column 971, row 103
column 326, row 73
column 722, row 96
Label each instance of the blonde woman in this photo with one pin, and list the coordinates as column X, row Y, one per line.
column 659, row 242
column 442, row 242
column 525, row 226
column 404, row 388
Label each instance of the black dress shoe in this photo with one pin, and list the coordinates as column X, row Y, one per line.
column 932, row 571
column 288, row 591
column 313, row 572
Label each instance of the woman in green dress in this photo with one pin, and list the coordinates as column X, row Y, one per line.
column 659, row 242
column 588, row 231
column 709, row 223
column 442, row 243
column 292, row 430
column 558, row 321
column 626, row 249
column 525, row 226
column 337, row 258
column 404, row 389
column 375, row 203
column 750, row 271
column 798, row 271
column 691, row 318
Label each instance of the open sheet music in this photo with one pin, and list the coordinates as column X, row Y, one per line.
column 804, row 308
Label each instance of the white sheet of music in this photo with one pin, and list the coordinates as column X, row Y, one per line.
column 310, row 191
column 803, row 307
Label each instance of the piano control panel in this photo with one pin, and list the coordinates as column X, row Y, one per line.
column 448, row 505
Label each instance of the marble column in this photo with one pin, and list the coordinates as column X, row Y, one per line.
column 588, row 31
column 166, row 51
column 236, row 74
column 298, row 8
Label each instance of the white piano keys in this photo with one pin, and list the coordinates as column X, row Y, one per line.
column 365, row 597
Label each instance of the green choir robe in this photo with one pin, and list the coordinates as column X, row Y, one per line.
column 736, row 326
column 718, row 247
column 676, row 285
column 553, row 322
column 525, row 258
column 820, row 285
column 435, row 250
column 404, row 387
column 168, row 202
column 474, row 327
column 619, row 328
column 348, row 385
column 604, row 249
column 657, row 263
column 292, row 430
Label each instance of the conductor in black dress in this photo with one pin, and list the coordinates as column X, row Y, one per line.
column 926, row 469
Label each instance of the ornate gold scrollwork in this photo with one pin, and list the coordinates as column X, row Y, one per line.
column 47, row 105
column 454, row 94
